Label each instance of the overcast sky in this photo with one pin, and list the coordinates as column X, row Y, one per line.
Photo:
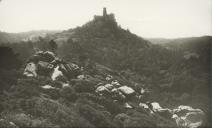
column 146, row 18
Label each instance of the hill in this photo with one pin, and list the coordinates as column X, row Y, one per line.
column 23, row 36
column 159, row 40
column 103, row 41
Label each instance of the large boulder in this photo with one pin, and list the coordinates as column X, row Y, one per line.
column 70, row 70
column 126, row 90
column 30, row 70
column 102, row 89
column 56, row 73
column 192, row 118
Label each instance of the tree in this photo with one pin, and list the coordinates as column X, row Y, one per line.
column 8, row 59
column 53, row 46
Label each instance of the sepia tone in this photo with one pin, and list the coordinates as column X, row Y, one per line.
column 100, row 74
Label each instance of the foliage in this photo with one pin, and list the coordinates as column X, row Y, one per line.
column 59, row 114
column 97, row 118
column 84, row 86
column 53, row 45
column 9, row 58
column 68, row 93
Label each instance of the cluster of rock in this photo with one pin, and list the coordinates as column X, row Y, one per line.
column 47, row 64
column 184, row 116
column 114, row 90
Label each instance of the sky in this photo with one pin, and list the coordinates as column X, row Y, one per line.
column 146, row 18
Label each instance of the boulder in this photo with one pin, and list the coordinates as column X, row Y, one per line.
column 109, row 77
column 65, row 85
column 193, row 118
column 126, row 90
column 45, row 65
column 115, row 83
column 117, row 95
column 81, row 77
column 46, row 56
column 143, row 105
column 49, row 56
column 70, row 70
column 128, row 106
column 180, row 122
column 102, row 89
column 56, row 73
column 30, row 70
column 47, row 87
column 155, row 106
column 109, row 86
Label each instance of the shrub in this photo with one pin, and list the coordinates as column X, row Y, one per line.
column 55, row 112
column 110, row 106
column 84, row 86
column 136, row 120
column 94, row 116
column 6, row 124
column 69, row 94
column 9, row 60
column 26, row 88
column 20, row 119
column 8, row 78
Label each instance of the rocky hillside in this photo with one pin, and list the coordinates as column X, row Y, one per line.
column 54, row 93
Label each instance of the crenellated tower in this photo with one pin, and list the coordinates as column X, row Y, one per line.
column 104, row 12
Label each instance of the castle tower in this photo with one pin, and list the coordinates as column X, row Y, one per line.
column 104, row 12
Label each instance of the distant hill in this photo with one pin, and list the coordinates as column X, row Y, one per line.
column 159, row 40
column 181, row 42
column 200, row 46
column 23, row 36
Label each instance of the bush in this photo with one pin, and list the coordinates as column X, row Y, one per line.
column 84, row 86
column 52, row 93
column 6, row 124
column 120, row 118
column 69, row 94
column 97, row 118
column 134, row 119
column 55, row 112
column 26, row 88
column 23, row 120
column 110, row 106
column 8, row 78
column 9, row 60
